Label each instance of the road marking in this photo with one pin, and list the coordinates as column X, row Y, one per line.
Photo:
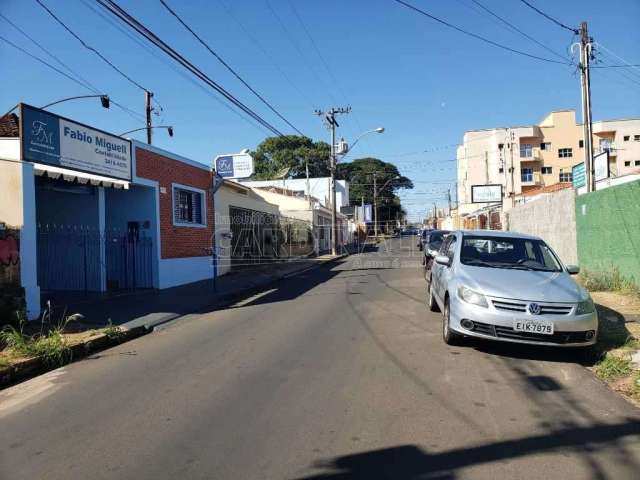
column 246, row 301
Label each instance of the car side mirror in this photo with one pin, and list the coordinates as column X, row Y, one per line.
column 573, row 269
column 443, row 260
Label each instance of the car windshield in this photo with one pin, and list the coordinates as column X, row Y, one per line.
column 435, row 240
column 508, row 252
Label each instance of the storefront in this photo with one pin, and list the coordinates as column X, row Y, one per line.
column 98, row 213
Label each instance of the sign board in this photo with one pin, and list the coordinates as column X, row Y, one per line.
column 486, row 193
column 601, row 166
column 578, row 176
column 367, row 213
column 236, row 165
column 53, row 140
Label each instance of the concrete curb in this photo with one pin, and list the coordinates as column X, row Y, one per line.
column 31, row 367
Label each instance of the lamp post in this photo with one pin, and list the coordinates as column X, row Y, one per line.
column 104, row 100
column 168, row 127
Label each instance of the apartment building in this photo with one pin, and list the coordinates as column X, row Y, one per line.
column 524, row 158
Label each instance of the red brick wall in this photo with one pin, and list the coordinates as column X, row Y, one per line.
column 177, row 242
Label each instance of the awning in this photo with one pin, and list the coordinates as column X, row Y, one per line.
column 79, row 177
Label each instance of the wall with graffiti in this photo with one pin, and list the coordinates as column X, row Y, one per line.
column 9, row 256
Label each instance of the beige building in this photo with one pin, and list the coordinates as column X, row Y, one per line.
column 525, row 158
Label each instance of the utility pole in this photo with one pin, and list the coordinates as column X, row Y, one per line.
column 449, row 199
column 148, row 109
column 585, row 56
column 435, row 215
column 511, row 137
column 330, row 120
column 375, row 204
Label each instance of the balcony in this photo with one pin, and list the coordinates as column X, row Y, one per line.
column 531, row 179
column 530, row 155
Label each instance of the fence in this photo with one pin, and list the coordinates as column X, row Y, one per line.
column 552, row 218
column 70, row 257
column 608, row 226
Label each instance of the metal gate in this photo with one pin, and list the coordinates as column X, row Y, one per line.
column 255, row 236
column 70, row 258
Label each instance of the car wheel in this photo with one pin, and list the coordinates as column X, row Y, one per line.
column 449, row 336
column 431, row 300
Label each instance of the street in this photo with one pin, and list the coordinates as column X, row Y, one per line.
column 337, row 373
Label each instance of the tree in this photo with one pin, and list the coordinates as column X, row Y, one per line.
column 286, row 156
column 360, row 175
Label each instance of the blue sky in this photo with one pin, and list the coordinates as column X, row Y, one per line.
column 424, row 83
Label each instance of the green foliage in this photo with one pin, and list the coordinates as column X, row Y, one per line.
column 112, row 331
column 51, row 346
column 360, row 174
column 286, row 156
column 613, row 366
column 611, row 280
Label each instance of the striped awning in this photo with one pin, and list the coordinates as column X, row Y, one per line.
column 78, row 177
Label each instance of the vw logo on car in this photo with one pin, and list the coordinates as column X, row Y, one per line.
column 534, row 309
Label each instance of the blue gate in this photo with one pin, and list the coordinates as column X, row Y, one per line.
column 69, row 258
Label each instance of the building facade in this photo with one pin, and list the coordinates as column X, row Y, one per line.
column 523, row 158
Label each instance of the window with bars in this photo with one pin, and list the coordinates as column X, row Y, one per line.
column 526, row 175
column 188, row 206
column 546, row 170
column 565, row 176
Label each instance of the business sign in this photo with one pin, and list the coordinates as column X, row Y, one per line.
column 578, row 176
column 367, row 213
column 54, row 140
column 237, row 165
column 601, row 166
column 486, row 193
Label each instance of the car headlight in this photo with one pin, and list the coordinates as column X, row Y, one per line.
column 585, row 306
column 472, row 297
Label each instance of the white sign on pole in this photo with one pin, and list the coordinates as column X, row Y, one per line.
column 235, row 165
column 486, row 193
column 601, row 166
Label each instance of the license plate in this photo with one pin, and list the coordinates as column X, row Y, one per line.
column 533, row 326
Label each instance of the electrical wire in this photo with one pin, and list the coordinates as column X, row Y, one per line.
column 113, row 8
column 228, row 67
column 549, row 17
column 516, row 29
column 479, row 37
column 90, row 48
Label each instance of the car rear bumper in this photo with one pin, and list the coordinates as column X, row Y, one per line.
column 569, row 330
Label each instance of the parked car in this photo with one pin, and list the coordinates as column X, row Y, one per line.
column 431, row 246
column 509, row 287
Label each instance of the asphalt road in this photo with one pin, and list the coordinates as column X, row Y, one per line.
column 339, row 373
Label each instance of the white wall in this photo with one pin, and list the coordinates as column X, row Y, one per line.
column 318, row 187
column 179, row 271
column 226, row 197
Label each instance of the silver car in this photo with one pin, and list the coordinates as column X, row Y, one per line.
column 509, row 287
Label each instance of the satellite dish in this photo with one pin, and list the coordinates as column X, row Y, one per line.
column 283, row 172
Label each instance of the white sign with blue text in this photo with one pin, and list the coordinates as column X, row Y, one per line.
column 235, row 165
column 53, row 140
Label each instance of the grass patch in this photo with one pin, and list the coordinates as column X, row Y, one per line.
column 613, row 366
column 610, row 281
column 51, row 347
column 112, row 331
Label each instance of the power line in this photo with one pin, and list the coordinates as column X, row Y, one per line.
column 513, row 27
column 228, row 67
column 478, row 37
column 627, row 65
column 113, row 8
column 60, row 62
column 549, row 17
column 78, row 79
column 88, row 47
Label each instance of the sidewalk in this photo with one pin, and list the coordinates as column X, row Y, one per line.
column 154, row 307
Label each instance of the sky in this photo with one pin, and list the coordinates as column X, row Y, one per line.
column 425, row 83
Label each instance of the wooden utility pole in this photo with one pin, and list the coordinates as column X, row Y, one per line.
column 585, row 57
column 148, row 109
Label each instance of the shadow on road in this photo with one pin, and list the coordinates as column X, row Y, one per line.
column 409, row 462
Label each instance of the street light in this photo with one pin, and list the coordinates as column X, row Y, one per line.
column 104, row 100
column 168, row 127
column 375, row 130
